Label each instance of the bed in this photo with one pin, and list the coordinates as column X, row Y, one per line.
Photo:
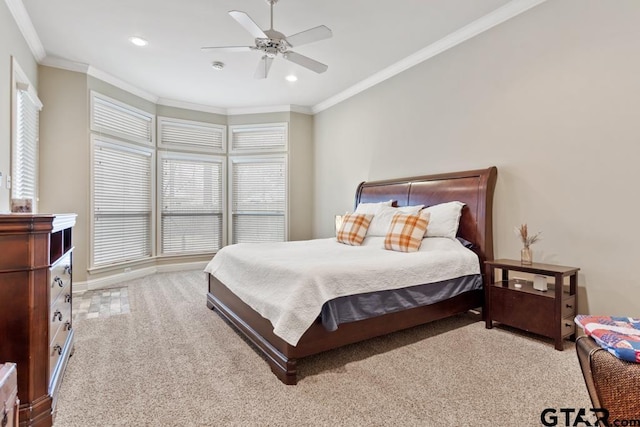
column 473, row 188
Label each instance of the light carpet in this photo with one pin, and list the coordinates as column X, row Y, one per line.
column 173, row 362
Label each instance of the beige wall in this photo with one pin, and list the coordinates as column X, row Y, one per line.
column 12, row 44
column 65, row 155
column 552, row 98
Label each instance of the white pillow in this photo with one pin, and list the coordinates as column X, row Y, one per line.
column 382, row 218
column 444, row 219
column 371, row 208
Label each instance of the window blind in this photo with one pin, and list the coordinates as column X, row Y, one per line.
column 183, row 134
column 122, row 198
column 259, row 199
column 260, row 138
column 25, row 149
column 113, row 118
column 192, row 204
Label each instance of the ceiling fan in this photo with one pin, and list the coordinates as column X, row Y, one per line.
column 271, row 42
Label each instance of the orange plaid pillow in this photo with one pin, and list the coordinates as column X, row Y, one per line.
column 354, row 228
column 406, row 232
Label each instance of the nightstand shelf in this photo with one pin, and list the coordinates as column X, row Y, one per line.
column 549, row 313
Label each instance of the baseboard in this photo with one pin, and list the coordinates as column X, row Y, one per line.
column 114, row 279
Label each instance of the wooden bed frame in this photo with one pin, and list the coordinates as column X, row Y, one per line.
column 474, row 188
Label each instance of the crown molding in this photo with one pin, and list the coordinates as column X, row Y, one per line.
column 20, row 15
column 269, row 109
column 191, row 106
column 121, row 84
column 65, row 64
column 480, row 25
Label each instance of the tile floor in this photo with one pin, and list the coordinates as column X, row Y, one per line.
column 101, row 303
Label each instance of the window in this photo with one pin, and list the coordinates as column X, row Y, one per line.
column 122, row 202
column 123, row 182
column 191, row 136
column 191, row 200
column 24, row 152
column 114, row 118
column 258, row 183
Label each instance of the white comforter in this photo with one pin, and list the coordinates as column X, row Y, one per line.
column 289, row 282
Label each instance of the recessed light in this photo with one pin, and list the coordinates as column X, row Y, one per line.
column 217, row 65
column 138, row 41
column 291, row 78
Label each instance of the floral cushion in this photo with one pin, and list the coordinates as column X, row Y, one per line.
column 618, row 335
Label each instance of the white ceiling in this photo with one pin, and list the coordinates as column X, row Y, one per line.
column 371, row 40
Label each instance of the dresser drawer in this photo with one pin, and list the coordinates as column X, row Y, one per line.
column 60, row 274
column 56, row 349
column 60, row 316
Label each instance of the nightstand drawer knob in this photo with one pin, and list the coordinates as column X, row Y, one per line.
column 59, row 281
column 569, row 306
column 568, row 324
column 67, row 298
column 57, row 349
column 57, row 314
column 67, row 326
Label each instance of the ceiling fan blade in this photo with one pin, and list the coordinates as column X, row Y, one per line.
column 305, row 61
column 228, row 48
column 263, row 67
column 248, row 24
column 309, row 36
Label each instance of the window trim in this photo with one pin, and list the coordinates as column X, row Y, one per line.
column 236, row 152
column 257, row 158
column 162, row 154
column 124, row 107
column 133, row 148
column 20, row 81
column 186, row 147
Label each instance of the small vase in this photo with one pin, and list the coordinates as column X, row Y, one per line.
column 526, row 257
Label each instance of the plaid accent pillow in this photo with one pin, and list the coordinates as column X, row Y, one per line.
column 353, row 229
column 406, row 232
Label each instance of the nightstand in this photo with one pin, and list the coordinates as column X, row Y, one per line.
column 514, row 302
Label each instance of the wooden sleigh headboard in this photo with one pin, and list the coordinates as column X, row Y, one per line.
column 474, row 188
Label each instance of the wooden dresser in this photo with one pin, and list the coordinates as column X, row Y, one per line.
column 35, row 307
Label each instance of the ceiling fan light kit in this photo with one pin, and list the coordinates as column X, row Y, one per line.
column 271, row 43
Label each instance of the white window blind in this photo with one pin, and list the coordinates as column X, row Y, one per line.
column 122, row 203
column 192, row 204
column 114, row 118
column 191, row 135
column 259, row 199
column 25, row 150
column 259, row 138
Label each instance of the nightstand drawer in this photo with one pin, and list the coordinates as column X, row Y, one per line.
column 529, row 312
column 569, row 306
column 568, row 326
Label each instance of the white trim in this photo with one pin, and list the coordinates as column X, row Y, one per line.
column 191, row 106
column 65, row 64
column 22, row 82
column 114, row 279
column 235, row 152
column 121, row 84
column 269, row 109
column 187, row 123
column 488, row 21
column 23, row 21
column 125, row 108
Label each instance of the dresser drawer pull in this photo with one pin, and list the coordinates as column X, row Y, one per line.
column 569, row 306
column 57, row 314
column 59, row 281
column 67, row 269
column 57, row 349
column 67, row 298
column 568, row 324
column 67, row 326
